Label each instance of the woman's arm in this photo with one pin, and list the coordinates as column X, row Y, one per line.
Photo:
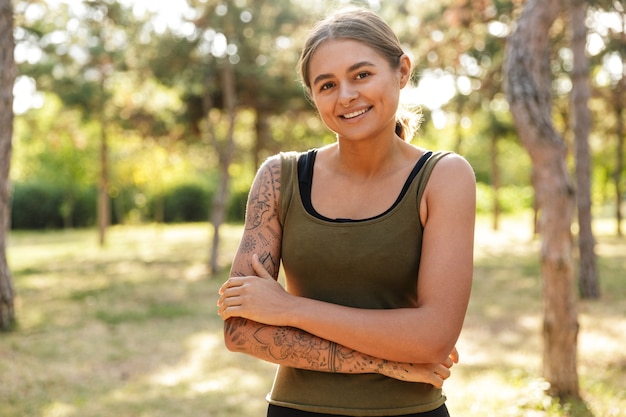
column 296, row 348
column 257, row 260
column 426, row 334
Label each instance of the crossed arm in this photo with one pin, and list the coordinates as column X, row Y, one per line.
column 261, row 320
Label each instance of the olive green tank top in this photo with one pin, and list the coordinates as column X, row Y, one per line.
column 371, row 263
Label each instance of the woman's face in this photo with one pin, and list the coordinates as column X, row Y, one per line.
column 354, row 88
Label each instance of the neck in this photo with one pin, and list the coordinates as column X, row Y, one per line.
column 368, row 159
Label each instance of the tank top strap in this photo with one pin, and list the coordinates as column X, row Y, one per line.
column 424, row 174
column 288, row 182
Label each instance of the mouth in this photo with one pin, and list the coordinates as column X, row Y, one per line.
column 354, row 114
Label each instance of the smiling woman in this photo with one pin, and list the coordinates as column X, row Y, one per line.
column 375, row 237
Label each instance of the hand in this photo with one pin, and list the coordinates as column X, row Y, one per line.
column 256, row 297
column 434, row 374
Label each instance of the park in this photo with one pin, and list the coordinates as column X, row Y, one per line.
column 130, row 135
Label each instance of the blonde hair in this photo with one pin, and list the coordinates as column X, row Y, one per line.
column 364, row 26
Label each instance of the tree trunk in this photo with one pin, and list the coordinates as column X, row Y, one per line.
column 262, row 133
column 7, row 80
column 619, row 102
column 619, row 94
column 495, row 181
column 226, row 152
column 528, row 86
column 103, row 209
column 103, row 194
column 588, row 274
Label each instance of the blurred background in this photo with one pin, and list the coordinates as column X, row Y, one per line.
column 139, row 126
column 157, row 100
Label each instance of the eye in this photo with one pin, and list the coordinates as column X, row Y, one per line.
column 362, row 75
column 326, row 86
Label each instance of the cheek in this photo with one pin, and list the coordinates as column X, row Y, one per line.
column 323, row 105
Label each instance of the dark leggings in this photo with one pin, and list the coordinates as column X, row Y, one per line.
column 276, row 411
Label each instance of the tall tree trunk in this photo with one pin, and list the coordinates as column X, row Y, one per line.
column 528, row 82
column 495, row 181
column 263, row 135
column 619, row 94
column 7, row 80
column 103, row 194
column 588, row 273
column 226, row 152
column 103, row 209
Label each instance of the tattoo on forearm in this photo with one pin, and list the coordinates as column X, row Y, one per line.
column 332, row 357
column 294, row 347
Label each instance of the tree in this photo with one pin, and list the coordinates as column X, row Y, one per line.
column 612, row 91
column 7, row 79
column 81, row 76
column 240, row 64
column 528, row 88
column 588, row 274
column 466, row 39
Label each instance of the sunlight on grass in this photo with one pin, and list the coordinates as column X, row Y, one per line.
column 131, row 329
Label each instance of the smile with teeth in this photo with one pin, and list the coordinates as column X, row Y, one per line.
column 354, row 114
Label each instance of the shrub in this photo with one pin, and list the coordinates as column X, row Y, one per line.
column 36, row 206
column 186, row 203
column 40, row 205
column 237, row 206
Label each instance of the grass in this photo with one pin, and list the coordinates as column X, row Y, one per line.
column 131, row 330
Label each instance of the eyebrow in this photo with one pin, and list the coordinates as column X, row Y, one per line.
column 352, row 67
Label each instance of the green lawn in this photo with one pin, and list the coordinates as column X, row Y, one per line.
column 131, row 330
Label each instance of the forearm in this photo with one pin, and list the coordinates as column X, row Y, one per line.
column 296, row 348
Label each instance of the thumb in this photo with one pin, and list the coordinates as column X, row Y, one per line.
column 259, row 268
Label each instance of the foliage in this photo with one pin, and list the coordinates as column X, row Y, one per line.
column 152, row 85
column 512, row 199
column 40, row 205
column 185, row 203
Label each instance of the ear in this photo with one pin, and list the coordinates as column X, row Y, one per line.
column 405, row 70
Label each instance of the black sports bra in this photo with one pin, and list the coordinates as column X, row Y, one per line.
column 305, row 180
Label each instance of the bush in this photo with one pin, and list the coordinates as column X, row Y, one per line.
column 237, row 206
column 38, row 205
column 186, row 203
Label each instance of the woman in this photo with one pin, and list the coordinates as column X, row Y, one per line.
column 375, row 236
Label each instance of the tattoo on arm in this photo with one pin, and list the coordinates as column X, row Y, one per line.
column 296, row 348
column 262, row 199
column 262, row 233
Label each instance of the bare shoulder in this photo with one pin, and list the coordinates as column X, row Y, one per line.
column 453, row 169
column 451, row 190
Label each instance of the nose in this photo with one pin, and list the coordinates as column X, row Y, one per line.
column 347, row 94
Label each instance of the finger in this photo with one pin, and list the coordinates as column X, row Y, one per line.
column 259, row 268
column 448, row 363
column 227, row 309
column 437, row 381
column 454, row 355
column 228, row 293
column 443, row 372
column 231, row 283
